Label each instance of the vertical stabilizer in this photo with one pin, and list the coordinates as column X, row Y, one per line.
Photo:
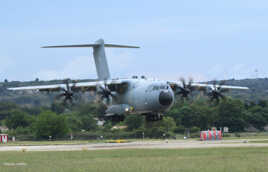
column 101, row 61
column 99, row 55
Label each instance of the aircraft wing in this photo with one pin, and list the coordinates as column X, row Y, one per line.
column 78, row 86
column 56, row 87
column 222, row 86
column 176, row 84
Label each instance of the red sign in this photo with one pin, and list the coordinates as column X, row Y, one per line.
column 3, row 138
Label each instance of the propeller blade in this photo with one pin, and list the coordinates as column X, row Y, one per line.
column 186, row 88
column 73, row 87
column 60, row 96
column 183, row 82
column 191, row 81
column 221, row 96
column 67, row 92
column 214, row 85
column 105, row 94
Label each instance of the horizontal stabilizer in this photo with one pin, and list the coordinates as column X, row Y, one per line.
column 91, row 45
column 119, row 46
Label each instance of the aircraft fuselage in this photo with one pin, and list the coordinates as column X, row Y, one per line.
column 146, row 96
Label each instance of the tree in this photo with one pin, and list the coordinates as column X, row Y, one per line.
column 204, row 115
column 188, row 118
column 168, row 124
column 231, row 114
column 73, row 121
column 86, row 113
column 174, row 112
column 134, row 121
column 156, row 129
column 50, row 124
column 18, row 118
column 88, row 123
column 87, row 109
column 6, row 109
column 58, row 107
column 257, row 117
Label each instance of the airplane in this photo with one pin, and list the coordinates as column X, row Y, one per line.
column 136, row 95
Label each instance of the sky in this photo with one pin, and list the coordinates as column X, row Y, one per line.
column 205, row 40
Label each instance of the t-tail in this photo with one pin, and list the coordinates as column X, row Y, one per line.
column 99, row 55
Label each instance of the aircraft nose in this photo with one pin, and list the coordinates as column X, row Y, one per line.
column 165, row 98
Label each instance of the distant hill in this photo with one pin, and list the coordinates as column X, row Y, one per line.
column 258, row 91
column 29, row 98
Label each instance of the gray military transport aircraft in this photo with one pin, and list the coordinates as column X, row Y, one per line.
column 136, row 95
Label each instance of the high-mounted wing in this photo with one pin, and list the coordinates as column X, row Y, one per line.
column 56, row 87
column 74, row 86
column 197, row 85
column 175, row 84
column 105, row 89
column 213, row 91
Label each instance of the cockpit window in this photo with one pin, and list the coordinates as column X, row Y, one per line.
column 160, row 87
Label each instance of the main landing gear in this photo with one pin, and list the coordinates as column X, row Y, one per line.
column 115, row 118
column 153, row 116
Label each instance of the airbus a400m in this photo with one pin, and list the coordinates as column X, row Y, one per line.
column 136, row 95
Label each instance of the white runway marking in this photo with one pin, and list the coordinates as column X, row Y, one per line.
column 14, row 164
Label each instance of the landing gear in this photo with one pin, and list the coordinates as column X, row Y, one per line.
column 153, row 116
column 116, row 118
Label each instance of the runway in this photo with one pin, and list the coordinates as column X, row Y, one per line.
column 165, row 144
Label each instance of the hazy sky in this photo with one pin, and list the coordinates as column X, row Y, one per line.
column 208, row 39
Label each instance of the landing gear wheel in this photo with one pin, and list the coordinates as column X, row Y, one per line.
column 116, row 118
column 153, row 117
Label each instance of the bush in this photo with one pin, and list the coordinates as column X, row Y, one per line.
column 18, row 118
column 88, row 123
column 155, row 132
column 49, row 124
column 227, row 135
column 195, row 135
column 21, row 130
column 180, row 129
column 237, row 135
column 134, row 121
column 195, row 130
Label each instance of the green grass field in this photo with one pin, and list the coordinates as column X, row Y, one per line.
column 139, row 160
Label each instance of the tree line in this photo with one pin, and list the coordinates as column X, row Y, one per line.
column 81, row 120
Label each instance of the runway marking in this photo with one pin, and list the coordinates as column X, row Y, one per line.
column 14, row 164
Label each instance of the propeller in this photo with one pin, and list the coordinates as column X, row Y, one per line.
column 186, row 88
column 216, row 93
column 68, row 92
column 105, row 93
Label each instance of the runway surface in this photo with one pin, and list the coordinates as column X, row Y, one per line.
column 166, row 144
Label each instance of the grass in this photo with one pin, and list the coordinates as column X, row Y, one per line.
column 259, row 141
column 141, row 160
